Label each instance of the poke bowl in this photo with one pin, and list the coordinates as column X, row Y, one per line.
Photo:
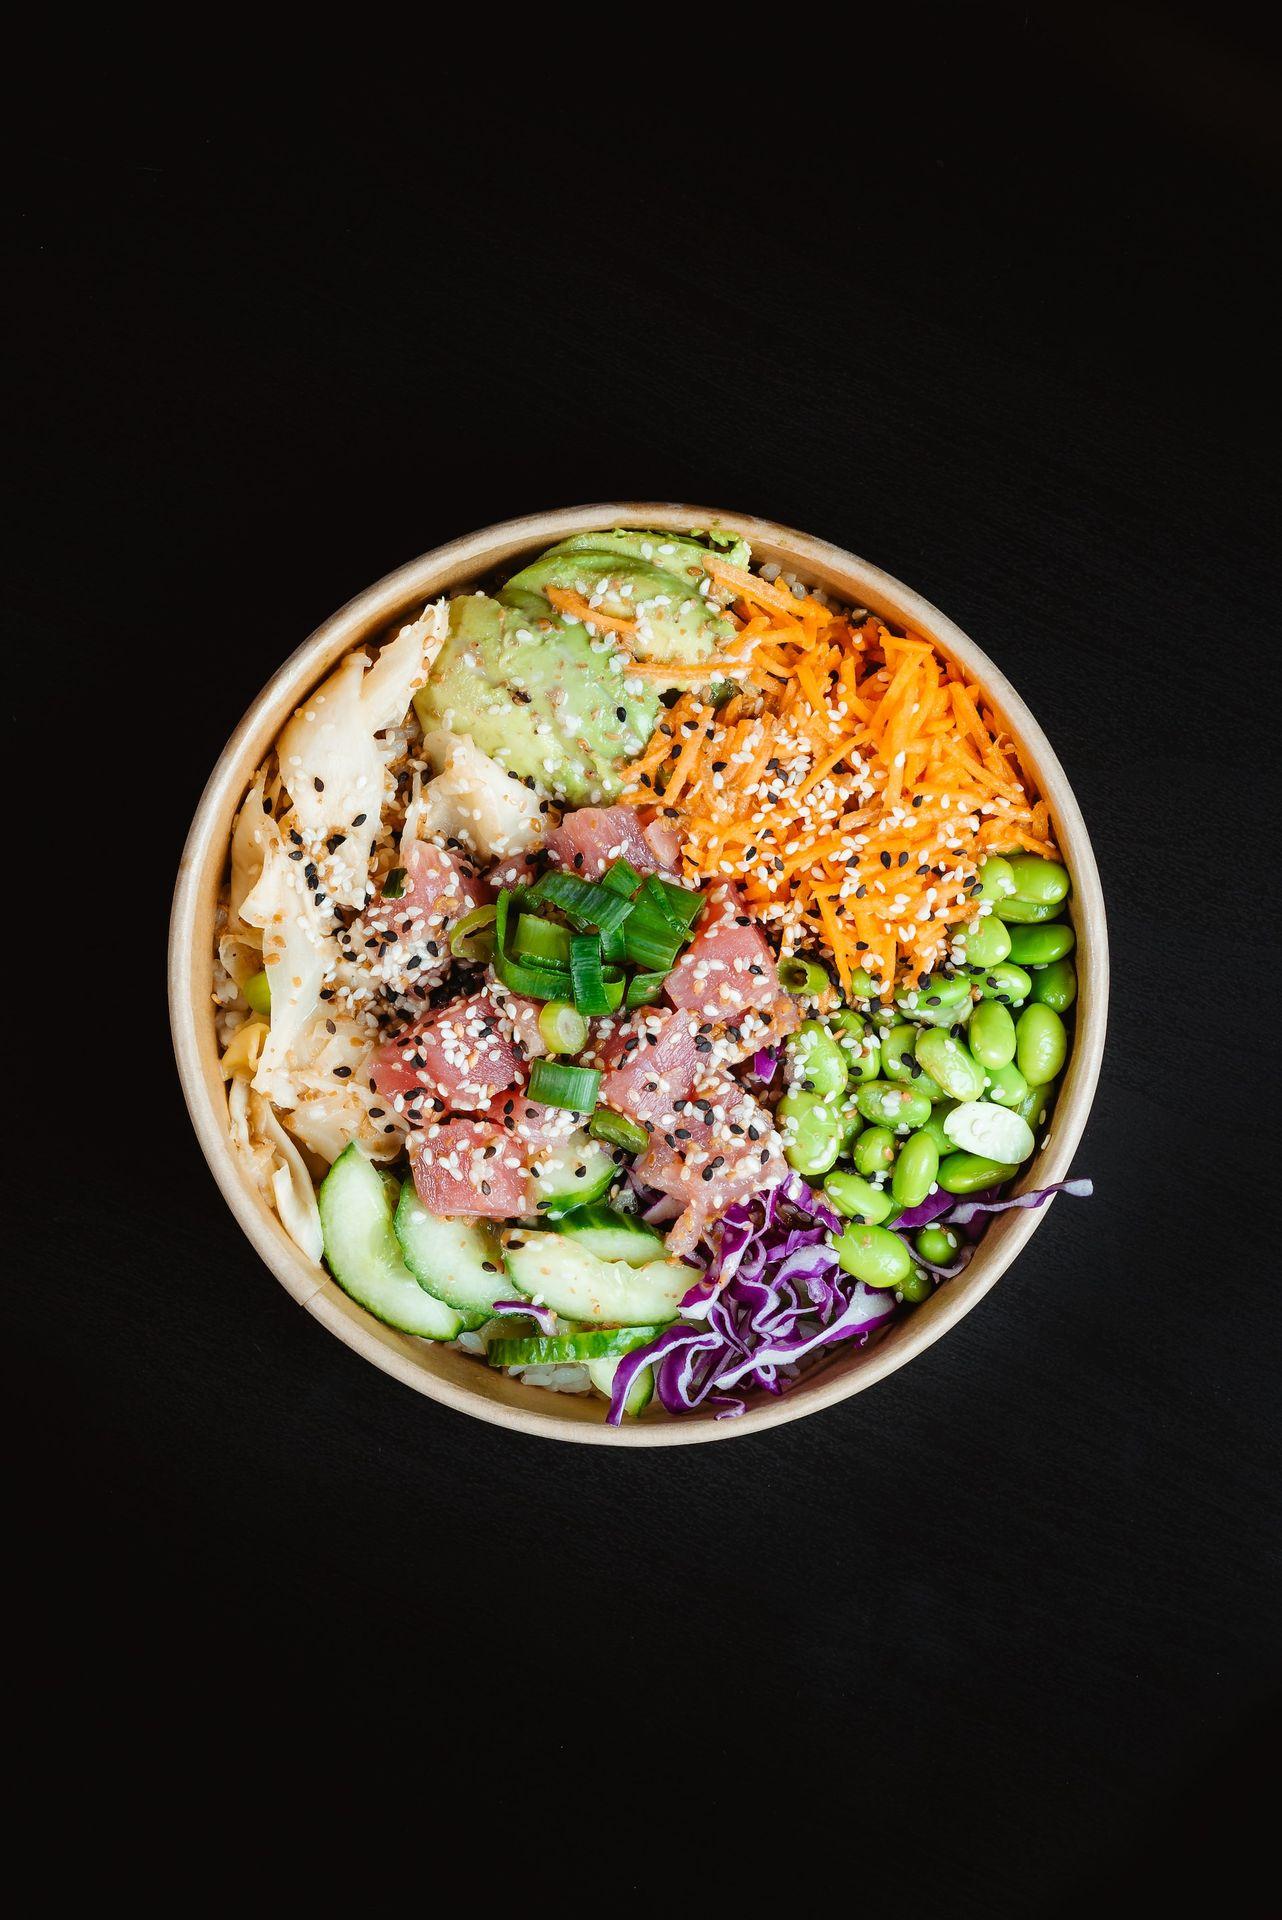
column 638, row 974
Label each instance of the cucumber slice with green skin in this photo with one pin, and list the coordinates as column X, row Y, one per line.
column 364, row 1256
column 573, row 1174
column 557, row 1269
column 460, row 1261
column 601, row 1373
column 568, row 1349
column 612, row 1235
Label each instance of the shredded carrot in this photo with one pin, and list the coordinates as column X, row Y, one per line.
column 567, row 601
column 851, row 790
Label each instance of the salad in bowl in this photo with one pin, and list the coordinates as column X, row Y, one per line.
column 645, row 974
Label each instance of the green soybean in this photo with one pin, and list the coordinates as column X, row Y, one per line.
column 811, row 1133
column 991, row 1035
column 987, row 941
column 915, row 1170
column 1056, row 985
column 971, row 1173
column 859, row 1050
column 1040, row 1044
column 942, row 1000
column 1003, row 982
column 851, row 1123
column 996, row 878
column 1040, row 882
column 856, row 1198
column 1006, row 1085
column 887, row 1105
column 950, row 1064
column 871, row 1254
column 257, row 990
column 899, row 1062
column 1035, row 1105
column 917, row 1287
column 1017, row 912
column 939, row 1245
column 875, row 1150
column 934, row 1127
column 815, row 1061
column 1038, row 946
column 862, row 984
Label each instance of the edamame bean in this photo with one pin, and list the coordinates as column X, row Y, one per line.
column 899, row 1062
column 987, row 941
column 856, row 1198
column 1056, row 985
column 934, row 1127
column 874, row 1150
column 816, row 1063
column 1006, row 1085
column 950, row 1064
column 1040, row 1044
column 851, row 1122
column 871, row 1254
column 915, row 1170
column 1035, row 1105
column 939, row 1245
column 1017, row 912
column 1003, row 982
column 1038, row 946
column 862, row 984
column 942, row 1000
column 971, row 1173
column 1041, row 882
column 996, row 880
column 888, row 1105
column 991, row 1035
column 917, row 1287
column 811, row 1133
column 859, row 1048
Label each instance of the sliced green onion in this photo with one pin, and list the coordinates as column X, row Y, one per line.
column 542, row 941
column 563, row 1028
column 394, row 885
column 472, row 937
column 644, row 988
column 574, row 1088
column 680, row 905
column 802, row 976
column 596, row 990
column 592, row 909
column 622, row 877
column 534, row 980
column 651, row 939
column 257, row 990
column 614, row 946
column 617, row 1131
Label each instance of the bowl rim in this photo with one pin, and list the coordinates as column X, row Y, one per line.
column 449, row 568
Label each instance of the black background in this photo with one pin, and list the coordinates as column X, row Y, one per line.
column 993, row 308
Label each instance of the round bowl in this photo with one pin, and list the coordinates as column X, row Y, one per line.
column 452, row 1377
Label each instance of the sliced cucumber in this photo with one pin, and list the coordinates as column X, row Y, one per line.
column 612, row 1235
column 601, row 1373
column 558, row 1270
column 566, row 1349
column 460, row 1261
column 573, row 1174
column 363, row 1253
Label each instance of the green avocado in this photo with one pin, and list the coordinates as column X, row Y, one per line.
column 675, row 552
column 674, row 620
column 538, row 695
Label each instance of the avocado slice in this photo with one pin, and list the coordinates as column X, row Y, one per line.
column 674, row 620
column 675, row 552
column 534, row 694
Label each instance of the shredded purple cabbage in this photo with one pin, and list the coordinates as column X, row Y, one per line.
column 764, row 1064
column 543, row 1317
column 774, row 1293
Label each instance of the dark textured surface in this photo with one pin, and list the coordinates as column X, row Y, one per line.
column 998, row 1633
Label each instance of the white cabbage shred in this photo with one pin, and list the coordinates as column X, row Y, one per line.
column 474, row 800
